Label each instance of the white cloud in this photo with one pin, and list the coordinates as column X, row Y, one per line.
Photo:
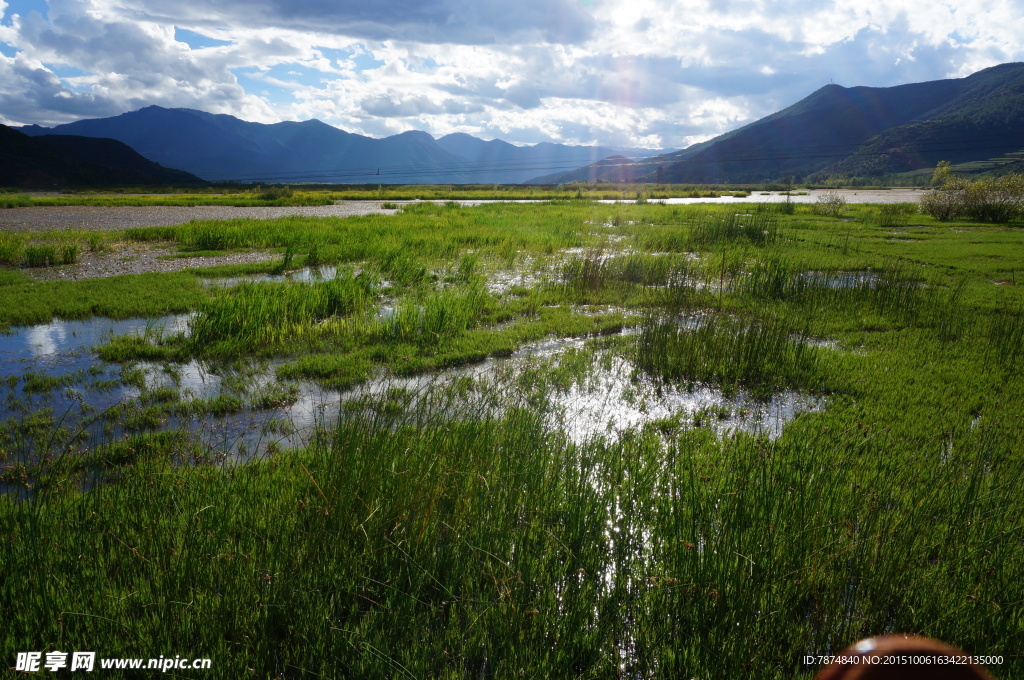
column 657, row 72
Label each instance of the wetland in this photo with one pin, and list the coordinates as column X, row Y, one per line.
column 565, row 438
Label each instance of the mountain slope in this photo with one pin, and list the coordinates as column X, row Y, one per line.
column 862, row 131
column 65, row 160
column 221, row 147
column 983, row 121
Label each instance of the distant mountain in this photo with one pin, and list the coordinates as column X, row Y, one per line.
column 222, row 147
column 853, row 132
column 64, row 160
column 522, row 163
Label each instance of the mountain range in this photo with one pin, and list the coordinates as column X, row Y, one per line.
column 219, row 147
column 976, row 122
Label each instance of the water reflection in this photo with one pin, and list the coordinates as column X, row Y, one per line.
column 581, row 393
column 69, row 337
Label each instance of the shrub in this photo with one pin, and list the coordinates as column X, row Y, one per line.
column 942, row 204
column 989, row 199
column 275, row 193
column 830, row 204
column 996, row 199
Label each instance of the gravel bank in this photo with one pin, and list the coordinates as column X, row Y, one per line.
column 134, row 258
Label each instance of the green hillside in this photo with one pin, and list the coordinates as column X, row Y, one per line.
column 985, row 122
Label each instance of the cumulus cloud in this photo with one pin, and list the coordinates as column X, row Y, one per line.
column 426, row 21
column 635, row 72
column 392, row 103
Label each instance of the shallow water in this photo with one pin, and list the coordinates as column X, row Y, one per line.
column 72, row 338
column 304, row 275
column 61, row 349
column 605, row 399
column 840, row 280
column 811, row 196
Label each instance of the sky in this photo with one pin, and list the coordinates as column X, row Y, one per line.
column 643, row 73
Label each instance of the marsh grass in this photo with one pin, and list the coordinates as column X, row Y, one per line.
column 760, row 227
column 1006, row 335
column 893, row 214
column 69, row 253
column 40, row 255
column 695, row 227
column 487, row 538
column 117, row 297
column 15, row 201
column 433, row 534
column 436, row 316
column 897, row 291
column 597, row 270
column 264, row 317
column 764, row 356
column 11, row 248
column 9, row 277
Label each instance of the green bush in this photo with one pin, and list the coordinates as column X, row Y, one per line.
column 996, row 199
column 275, row 193
column 942, row 204
column 989, row 199
column 830, row 204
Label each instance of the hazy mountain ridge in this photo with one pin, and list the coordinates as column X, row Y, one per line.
column 222, row 147
column 851, row 132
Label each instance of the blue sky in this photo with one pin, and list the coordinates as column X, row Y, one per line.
column 654, row 73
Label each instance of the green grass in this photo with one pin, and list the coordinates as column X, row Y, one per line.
column 265, row 317
column 9, row 277
column 118, row 297
column 452, row 532
column 12, row 248
column 762, row 356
